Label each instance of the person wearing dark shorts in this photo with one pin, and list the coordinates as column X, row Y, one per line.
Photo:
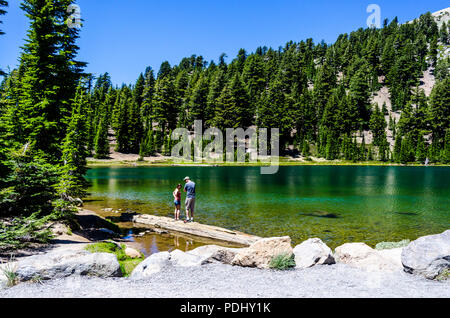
column 189, row 188
column 177, row 201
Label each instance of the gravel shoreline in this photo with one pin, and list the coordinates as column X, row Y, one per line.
column 224, row 281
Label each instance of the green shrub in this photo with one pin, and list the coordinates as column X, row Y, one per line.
column 31, row 187
column 20, row 232
column 282, row 262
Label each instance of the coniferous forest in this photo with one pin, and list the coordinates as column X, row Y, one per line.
column 321, row 96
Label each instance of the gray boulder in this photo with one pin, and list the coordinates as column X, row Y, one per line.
column 151, row 265
column 61, row 263
column 180, row 258
column 428, row 256
column 313, row 252
column 362, row 256
column 261, row 253
column 214, row 253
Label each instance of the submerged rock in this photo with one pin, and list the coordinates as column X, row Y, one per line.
column 362, row 256
column 428, row 256
column 322, row 214
column 60, row 264
column 261, row 253
column 313, row 252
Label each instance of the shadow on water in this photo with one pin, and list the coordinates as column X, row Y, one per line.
column 407, row 213
column 321, row 214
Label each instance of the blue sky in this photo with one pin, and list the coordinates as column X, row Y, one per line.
column 124, row 37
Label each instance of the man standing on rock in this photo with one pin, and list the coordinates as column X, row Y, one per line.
column 189, row 188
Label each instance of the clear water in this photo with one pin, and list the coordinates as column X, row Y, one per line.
column 337, row 204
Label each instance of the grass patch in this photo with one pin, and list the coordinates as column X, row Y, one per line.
column 9, row 271
column 392, row 245
column 127, row 264
column 445, row 275
column 282, row 262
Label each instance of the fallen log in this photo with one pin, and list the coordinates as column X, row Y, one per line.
column 197, row 229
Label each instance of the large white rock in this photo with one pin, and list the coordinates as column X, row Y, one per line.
column 313, row 252
column 64, row 263
column 364, row 257
column 151, row 265
column 261, row 253
column 180, row 258
column 214, row 253
column 428, row 256
column 394, row 255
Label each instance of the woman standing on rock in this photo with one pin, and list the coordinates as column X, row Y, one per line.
column 177, row 202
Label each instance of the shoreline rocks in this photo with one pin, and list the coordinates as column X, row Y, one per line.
column 64, row 263
column 428, row 256
column 313, row 252
column 261, row 253
column 151, row 265
column 362, row 256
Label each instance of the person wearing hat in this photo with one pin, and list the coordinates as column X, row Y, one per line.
column 189, row 188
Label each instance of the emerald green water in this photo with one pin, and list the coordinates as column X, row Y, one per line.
column 337, row 204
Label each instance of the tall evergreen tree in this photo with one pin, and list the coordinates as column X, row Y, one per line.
column 74, row 168
column 50, row 76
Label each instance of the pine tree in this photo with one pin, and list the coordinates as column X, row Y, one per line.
column 147, row 98
column 198, row 103
column 50, row 76
column 378, row 127
column 136, row 129
column 164, row 106
column 439, row 111
column 398, row 148
column 72, row 182
column 359, row 95
column 147, row 146
column 123, row 129
column 445, row 158
column 407, row 152
column 421, row 151
column 3, row 4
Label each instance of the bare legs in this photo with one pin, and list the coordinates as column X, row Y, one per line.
column 177, row 212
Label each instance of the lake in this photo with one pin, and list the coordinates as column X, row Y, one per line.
column 338, row 204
